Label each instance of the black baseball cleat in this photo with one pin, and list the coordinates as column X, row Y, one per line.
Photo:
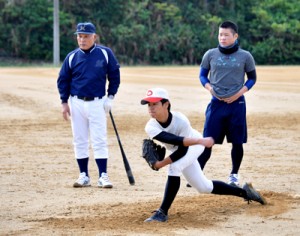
column 253, row 195
column 157, row 216
column 234, row 185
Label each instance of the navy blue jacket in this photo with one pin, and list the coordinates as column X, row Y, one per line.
column 85, row 73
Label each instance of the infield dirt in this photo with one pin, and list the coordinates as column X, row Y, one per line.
column 38, row 166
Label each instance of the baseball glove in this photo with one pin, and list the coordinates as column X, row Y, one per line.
column 152, row 152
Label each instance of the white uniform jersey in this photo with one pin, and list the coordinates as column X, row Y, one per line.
column 180, row 126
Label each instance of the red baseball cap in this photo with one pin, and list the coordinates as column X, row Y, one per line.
column 155, row 95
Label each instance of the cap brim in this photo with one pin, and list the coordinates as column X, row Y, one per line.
column 83, row 33
column 153, row 99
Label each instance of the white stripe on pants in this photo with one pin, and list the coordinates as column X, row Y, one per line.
column 89, row 118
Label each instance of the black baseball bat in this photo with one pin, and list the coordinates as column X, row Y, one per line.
column 125, row 160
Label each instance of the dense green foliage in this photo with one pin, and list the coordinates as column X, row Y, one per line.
column 153, row 31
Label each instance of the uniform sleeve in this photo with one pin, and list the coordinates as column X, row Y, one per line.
column 179, row 153
column 251, row 79
column 204, row 76
column 169, row 138
column 64, row 81
column 113, row 73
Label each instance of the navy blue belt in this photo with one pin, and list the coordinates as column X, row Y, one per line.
column 86, row 99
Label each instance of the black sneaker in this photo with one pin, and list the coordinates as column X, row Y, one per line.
column 157, row 216
column 253, row 195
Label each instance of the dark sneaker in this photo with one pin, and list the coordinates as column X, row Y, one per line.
column 253, row 195
column 157, row 216
column 234, row 185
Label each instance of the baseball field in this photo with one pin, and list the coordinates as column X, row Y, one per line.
column 38, row 167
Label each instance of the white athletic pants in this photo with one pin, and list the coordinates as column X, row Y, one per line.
column 89, row 118
column 190, row 168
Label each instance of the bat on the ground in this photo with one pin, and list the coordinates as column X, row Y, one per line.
column 125, row 160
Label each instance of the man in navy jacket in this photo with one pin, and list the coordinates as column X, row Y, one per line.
column 82, row 88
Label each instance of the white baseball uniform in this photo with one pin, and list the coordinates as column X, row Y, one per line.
column 188, row 164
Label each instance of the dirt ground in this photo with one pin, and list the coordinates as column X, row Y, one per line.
column 38, row 166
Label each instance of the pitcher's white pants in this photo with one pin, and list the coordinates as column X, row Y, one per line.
column 89, row 118
column 190, row 168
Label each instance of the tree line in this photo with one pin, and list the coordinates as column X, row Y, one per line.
column 153, row 32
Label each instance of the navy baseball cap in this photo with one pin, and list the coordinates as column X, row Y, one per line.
column 85, row 28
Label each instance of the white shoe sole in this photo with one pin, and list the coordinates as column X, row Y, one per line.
column 105, row 186
column 77, row 185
